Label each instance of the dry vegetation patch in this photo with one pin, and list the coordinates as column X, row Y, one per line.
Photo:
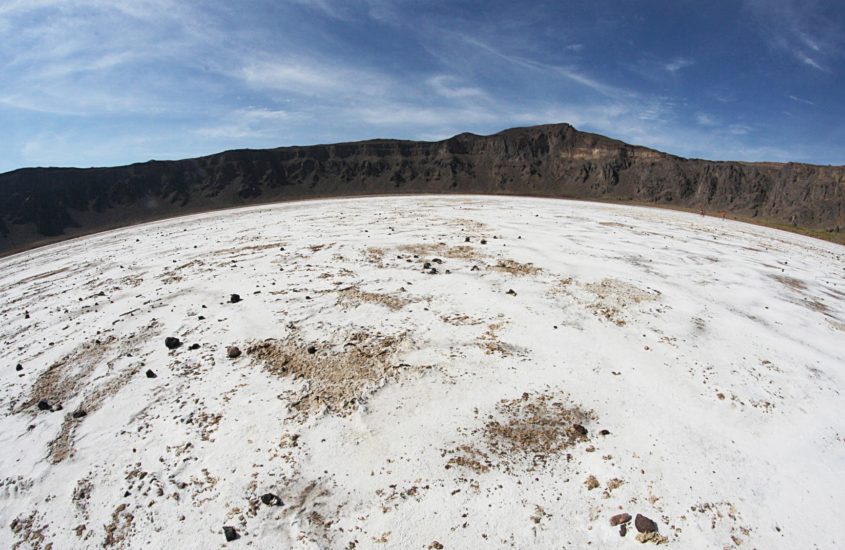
column 338, row 377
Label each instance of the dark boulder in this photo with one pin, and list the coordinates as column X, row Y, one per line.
column 172, row 342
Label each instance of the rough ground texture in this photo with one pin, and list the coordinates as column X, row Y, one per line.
column 647, row 362
column 48, row 204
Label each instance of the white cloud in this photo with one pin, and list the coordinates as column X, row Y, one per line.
column 678, row 63
column 705, row 120
column 250, row 123
column 447, row 86
column 314, row 78
column 800, row 100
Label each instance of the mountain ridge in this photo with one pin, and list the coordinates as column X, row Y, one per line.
column 42, row 205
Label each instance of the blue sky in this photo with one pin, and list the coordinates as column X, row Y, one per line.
column 99, row 82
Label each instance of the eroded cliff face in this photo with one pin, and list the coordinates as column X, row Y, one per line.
column 46, row 204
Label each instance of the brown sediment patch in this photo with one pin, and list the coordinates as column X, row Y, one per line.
column 28, row 532
column 538, row 424
column 458, row 252
column 45, row 275
column 527, row 432
column 816, row 305
column 491, row 344
column 616, row 224
column 837, row 324
column 338, row 377
column 515, row 268
column 469, row 457
column 791, row 282
column 62, row 446
column 613, row 297
column 460, row 319
column 472, row 225
column 120, row 527
column 67, row 377
column 242, row 250
column 375, row 255
column 354, row 296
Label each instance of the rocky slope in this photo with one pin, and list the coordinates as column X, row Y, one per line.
column 41, row 205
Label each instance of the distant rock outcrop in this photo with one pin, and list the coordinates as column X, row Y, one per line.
column 39, row 205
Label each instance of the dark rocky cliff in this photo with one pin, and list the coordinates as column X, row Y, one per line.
column 40, row 205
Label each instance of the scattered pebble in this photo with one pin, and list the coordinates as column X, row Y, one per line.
column 230, row 533
column 233, row 352
column 44, row 405
column 234, row 298
column 271, row 500
column 151, row 374
column 644, row 524
column 619, row 519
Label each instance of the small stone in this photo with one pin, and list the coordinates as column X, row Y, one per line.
column 151, row 374
column 311, row 349
column 201, row 318
column 172, row 342
column 511, row 292
column 483, row 241
column 26, row 315
column 79, row 413
column 437, row 260
column 230, row 533
column 645, row 525
column 271, row 500
column 591, row 482
column 233, row 352
column 432, row 271
column 580, row 429
column 194, row 346
column 623, row 530
column 436, row 545
column 466, row 239
column 19, row 367
column 619, row 519
column 427, row 265
column 604, row 432
column 234, row 298
column 44, row 405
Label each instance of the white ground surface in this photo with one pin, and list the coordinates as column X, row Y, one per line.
column 712, row 351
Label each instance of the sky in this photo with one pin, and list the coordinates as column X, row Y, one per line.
column 107, row 82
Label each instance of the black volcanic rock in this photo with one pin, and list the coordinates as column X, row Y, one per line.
column 171, row 342
column 39, row 205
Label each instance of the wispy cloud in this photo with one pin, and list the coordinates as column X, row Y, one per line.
column 678, row 63
column 800, row 100
column 449, row 86
column 800, row 28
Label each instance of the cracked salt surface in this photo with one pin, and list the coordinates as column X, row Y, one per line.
column 402, row 385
